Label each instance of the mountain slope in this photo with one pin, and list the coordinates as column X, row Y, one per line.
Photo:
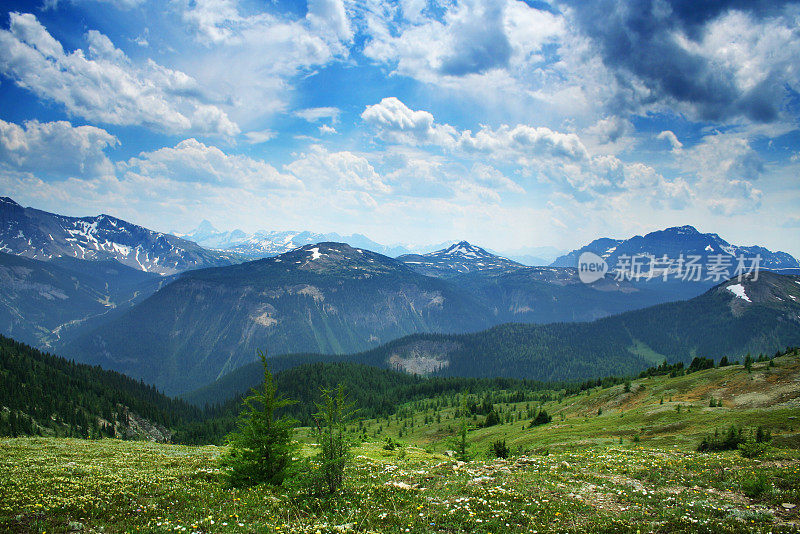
column 42, row 303
column 731, row 319
column 458, row 259
column 674, row 242
column 46, row 394
column 714, row 324
column 556, row 294
column 329, row 297
column 41, row 235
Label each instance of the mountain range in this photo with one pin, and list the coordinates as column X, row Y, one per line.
column 329, row 297
column 43, row 236
column 166, row 310
column 674, row 242
column 267, row 243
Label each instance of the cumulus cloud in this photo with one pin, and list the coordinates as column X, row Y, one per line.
column 726, row 167
column 55, row 148
column 267, row 49
column 478, row 40
column 717, row 61
column 672, row 139
column 471, row 38
column 488, row 176
column 343, row 170
column 525, row 141
column 260, row 136
column 194, row 162
column 398, row 123
column 610, row 129
column 102, row 84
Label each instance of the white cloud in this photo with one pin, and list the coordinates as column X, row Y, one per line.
column 326, row 130
column 261, row 136
column 330, row 16
column 342, row 170
column 524, row 141
column 194, row 162
column 103, row 85
column 610, row 129
column 725, row 166
column 672, row 139
column 268, row 50
column 55, row 148
column 488, row 176
column 397, row 123
column 317, row 114
column 473, row 37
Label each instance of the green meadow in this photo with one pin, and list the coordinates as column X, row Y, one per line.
column 617, row 459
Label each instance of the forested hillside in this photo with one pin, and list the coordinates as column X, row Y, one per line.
column 714, row 324
column 328, row 298
column 47, row 395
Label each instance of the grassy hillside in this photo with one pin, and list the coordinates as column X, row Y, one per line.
column 571, row 475
column 660, row 411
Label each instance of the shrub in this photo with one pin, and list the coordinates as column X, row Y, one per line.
column 754, row 486
column 763, row 436
column 499, row 449
column 261, row 449
column 752, row 449
column 461, row 444
column 542, row 418
column 492, row 418
column 730, row 441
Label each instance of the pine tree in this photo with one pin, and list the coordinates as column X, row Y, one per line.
column 331, row 421
column 461, row 444
column 261, row 449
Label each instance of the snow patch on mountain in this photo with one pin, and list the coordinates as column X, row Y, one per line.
column 738, row 290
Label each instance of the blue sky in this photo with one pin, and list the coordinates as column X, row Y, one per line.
column 510, row 124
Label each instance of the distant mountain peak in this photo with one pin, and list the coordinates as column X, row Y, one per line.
column 205, row 226
column 675, row 242
column 463, row 248
column 8, row 200
column 458, row 258
column 685, row 229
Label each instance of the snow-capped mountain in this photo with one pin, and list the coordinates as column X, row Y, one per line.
column 674, row 242
column 44, row 236
column 456, row 259
column 268, row 243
